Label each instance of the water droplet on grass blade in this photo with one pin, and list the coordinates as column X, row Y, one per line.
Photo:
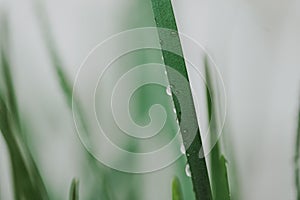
column 188, row 170
column 182, row 149
column 173, row 33
column 168, row 90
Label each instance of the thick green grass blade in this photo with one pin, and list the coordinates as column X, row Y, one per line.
column 219, row 177
column 164, row 17
column 176, row 189
column 28, row 183
column 74, row 190
column 296, row 160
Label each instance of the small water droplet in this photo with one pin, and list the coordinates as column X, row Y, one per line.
column 173, row 33
column 162, row 58
column 201, row 154
column 182, row 149
column 174, row 110
column 184, row 131
column 168, row 90
column 187, row 170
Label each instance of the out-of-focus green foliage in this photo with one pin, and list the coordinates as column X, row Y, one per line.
column 176, row 189
column 102, row 173
column 28, row 183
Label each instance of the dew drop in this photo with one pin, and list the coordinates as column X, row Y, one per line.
column 182, row 149
column 173, row 33
column 184, row 131
column 187, row 170
column 168, row 90
column 174, row 110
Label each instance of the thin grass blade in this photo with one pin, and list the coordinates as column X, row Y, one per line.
column 219, row 176
column 7, row 74
column 72, row 101
column 296, row 160
column 74, row 189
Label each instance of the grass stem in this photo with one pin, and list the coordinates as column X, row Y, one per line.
column 164, row 17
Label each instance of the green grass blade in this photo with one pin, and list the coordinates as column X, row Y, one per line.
column 7, row 74
column 176, row 189
column 296, row 160
column 164, row 17
column 219, row 177
column 56, row 60
column 74, row 189
column 27, row 180
column 72, row 101
column 28, row 183
column 57, row 63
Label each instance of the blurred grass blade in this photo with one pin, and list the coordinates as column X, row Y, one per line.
column 72, row 101
column 28, row 183
column 164, row 17
column 224, row 173
column 65, row 84
column 219, row 177
column 176, row 189
column 64, row 81
column 74, row 190
column 297, row 159
column 7, row 75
